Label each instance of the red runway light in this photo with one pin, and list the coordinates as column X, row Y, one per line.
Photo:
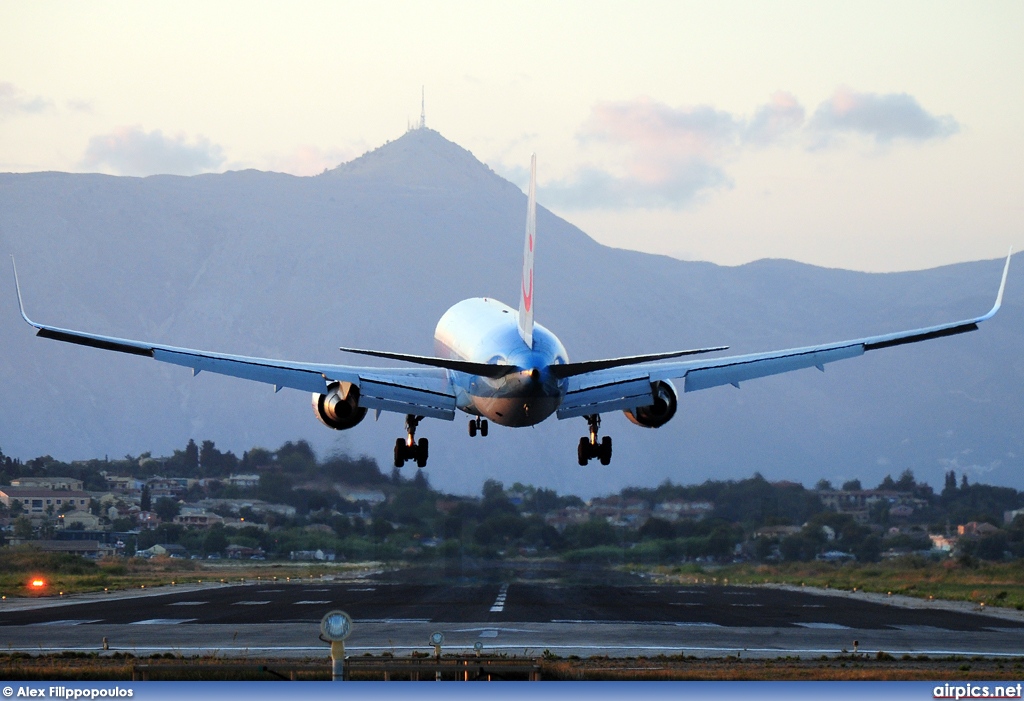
column 38, row 583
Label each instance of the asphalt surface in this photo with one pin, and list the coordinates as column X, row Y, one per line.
column 622, row 618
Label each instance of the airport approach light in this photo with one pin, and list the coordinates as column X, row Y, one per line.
column 436, row 639
column 335, row 626
column 478, row 647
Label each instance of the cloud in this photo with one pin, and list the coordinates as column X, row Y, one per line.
column 671, row 156
column 667, row 157
column 885, row 118
column 781, row 116
column 14, row 102
column 76, row 105
column 131, row 151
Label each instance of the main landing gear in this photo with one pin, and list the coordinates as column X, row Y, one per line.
column 408, row 448
column 477, row 424
column 589, row 446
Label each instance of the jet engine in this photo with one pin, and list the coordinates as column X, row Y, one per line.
column 339, row 408
column 660, row 412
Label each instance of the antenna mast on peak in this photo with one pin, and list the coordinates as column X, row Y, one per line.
column 423, row 107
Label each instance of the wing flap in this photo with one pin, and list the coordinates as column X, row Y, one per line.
column 609, row 396
column 277, row 375
column 743, row 368
column 391, row 395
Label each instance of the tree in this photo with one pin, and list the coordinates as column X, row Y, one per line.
column 852, row 486
column 167, row 508
column 214, row 462
column 146, row 501
column 22, row 527
column 906, row 482
column 823, row 485
column 215, row 541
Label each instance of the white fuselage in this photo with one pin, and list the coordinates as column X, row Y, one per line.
column 483, row 330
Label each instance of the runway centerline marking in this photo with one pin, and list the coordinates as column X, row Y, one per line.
column 499, row 604
column 162, row 621
column 311, row 601
column 823, row 626
column 68, row 622
column 187, row 603
column 250, row 603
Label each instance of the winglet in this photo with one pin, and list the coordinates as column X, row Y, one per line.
column 1002, row 286
column 526, row 295
column 17, row 288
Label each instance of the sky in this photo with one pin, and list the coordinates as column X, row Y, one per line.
column 874, row 136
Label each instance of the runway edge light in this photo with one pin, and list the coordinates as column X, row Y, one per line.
column 335, row 626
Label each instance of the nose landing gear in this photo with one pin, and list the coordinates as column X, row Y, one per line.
column 409, row 448
column 477, row 424
column 590, row 448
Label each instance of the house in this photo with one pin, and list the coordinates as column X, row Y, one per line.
column 82, row 520
column 85, row 548
column 199, row 518
column 243, row 481
column 123, row 485
column 61, row 483
column 354, row 495
column 38, row 501
column 975, row 529
column 308, row 555
column 678, row 510
column 241, row 552
column 167, row 549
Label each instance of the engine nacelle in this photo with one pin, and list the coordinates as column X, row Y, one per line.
column 339, row 408
column 660, row 412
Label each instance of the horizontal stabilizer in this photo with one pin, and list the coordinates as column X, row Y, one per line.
column 481, row 369
column 573, row 369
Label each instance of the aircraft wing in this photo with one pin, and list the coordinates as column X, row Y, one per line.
column 616, row 389
column 420, row 391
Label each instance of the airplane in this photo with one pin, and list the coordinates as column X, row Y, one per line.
column 497, row 364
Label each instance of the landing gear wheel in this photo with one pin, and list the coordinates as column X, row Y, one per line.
column 593, row 447
column 421, row 452
column 472, row 428
column 483, row 428
column 583, row 452
column 605, row 452
column 399, row 452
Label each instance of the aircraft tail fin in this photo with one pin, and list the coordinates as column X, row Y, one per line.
column 526, row 294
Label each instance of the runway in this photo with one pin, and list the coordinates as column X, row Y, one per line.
column 520, row 617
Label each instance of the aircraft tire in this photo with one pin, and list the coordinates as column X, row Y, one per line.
column 605, row 452
column 399, row 452
column 483, row 428
column 421, row 452
column 472, row 428
column 583, row 452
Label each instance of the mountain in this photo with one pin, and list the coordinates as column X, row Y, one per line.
column 371, row 254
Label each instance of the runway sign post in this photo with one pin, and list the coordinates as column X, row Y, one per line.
column 335, row 626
